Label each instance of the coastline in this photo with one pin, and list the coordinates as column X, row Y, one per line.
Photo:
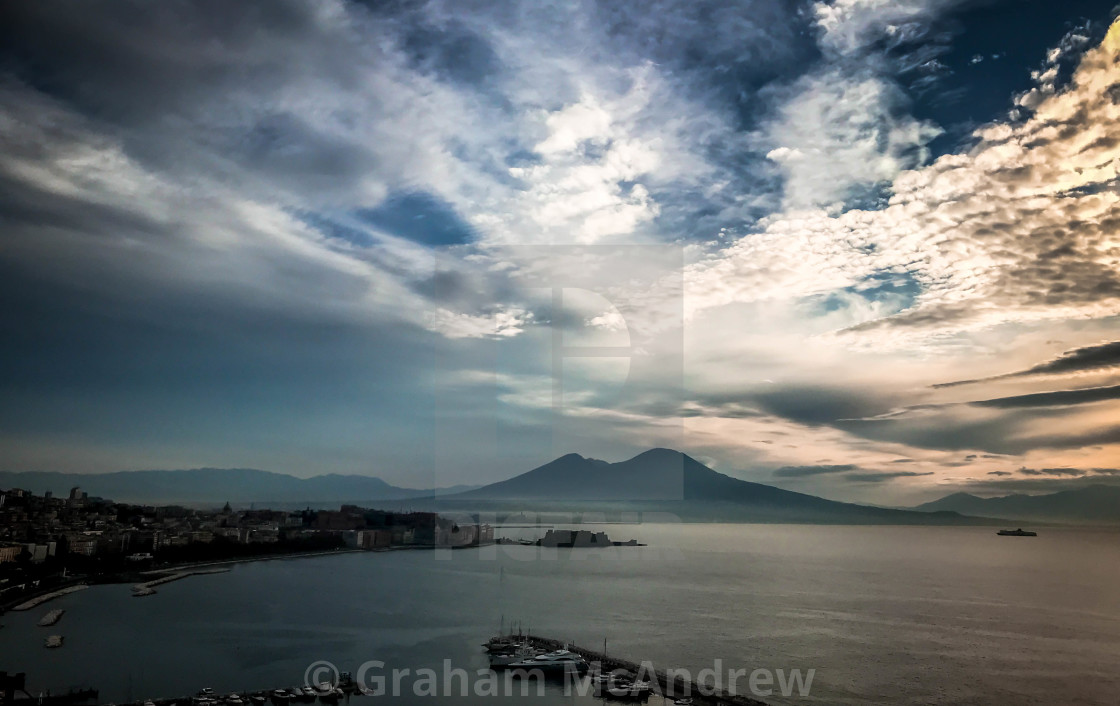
column 27, row 602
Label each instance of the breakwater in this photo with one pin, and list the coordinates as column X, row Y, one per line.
column 51, row 618
column 148, row 587
column 28, row 605
column 671, row 683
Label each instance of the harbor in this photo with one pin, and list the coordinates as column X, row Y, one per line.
column 669, row 683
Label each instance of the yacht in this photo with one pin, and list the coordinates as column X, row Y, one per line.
column 623, row 687
column 517, row 653
column 558, row 661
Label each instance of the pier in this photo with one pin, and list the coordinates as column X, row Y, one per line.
column 148, row 587
column 671, row 685
column 28, row 605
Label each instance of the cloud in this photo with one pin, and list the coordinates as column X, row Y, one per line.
column 885, row 476
column 805, row 471
column 1007, row 233
column 1053, row 399
column 1051, row 472
column 849, row 26
column 838, row 135
column 1088, row 358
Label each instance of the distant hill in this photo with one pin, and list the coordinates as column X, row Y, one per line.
column 670, row 481
column 214, row 486
column 1091, row 504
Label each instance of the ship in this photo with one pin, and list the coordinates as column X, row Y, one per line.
column 1017, row 533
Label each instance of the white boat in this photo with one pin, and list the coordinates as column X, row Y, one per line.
column 516, row 653
column 558, row 661
column 234, row 700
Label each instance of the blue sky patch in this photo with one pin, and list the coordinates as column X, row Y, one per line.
column 419, row 217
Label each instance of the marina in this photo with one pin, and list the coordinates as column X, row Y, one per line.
column 611, row 675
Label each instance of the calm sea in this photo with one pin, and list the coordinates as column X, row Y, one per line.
column 893, row 615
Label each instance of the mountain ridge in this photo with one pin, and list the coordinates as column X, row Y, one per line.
column 671, row 481
column 1097, row 503
column 209, row 485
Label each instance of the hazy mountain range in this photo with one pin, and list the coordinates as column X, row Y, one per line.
column 656, row 480
column 214, row 486
column 1091, row 504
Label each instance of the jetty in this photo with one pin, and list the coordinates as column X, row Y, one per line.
column 148, row 587
column 670, row 683
column 51, row 618
column 28, row 605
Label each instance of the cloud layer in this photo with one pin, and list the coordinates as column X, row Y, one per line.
column 356, row 237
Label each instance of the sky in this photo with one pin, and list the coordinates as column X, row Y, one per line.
column 866, row 249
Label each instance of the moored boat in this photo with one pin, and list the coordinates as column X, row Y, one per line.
column 551, row 662
column 1017, row 533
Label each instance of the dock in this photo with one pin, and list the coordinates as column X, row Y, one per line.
column 670, row 685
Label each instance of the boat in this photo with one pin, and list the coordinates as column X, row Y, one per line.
column 281, row 697
column 257, row 699
column 53, row 641
column 1017, row 533
column 207, row 691
column 623, row 687
column 234, row 700
column 562, row 661
column 346, row 682
column 516, row 653
column 683, row 702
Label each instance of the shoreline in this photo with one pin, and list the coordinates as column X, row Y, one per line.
column 36, row 599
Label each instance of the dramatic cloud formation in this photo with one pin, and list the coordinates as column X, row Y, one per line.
column 1089, row 358
column 446, row 241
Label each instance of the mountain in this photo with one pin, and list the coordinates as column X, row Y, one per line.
column 214, row 486
column 1092, row 504
column 673, row 482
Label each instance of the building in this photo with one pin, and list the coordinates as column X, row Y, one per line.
column 10, row 552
